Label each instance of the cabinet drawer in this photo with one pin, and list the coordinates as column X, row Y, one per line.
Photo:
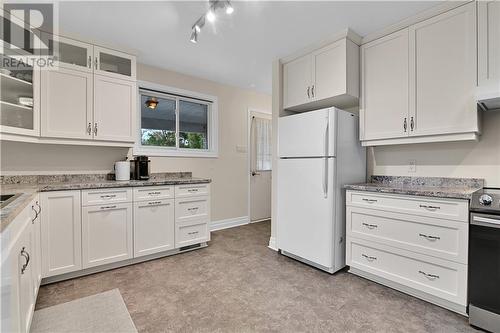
column 439, row 238
column 153, row 192
column 192, row 209
column 440, row 278
column 191, row 190
column 191, row 234
column 451, row 209
column 104, row 196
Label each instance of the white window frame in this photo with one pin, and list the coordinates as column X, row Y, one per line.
column 212, row 129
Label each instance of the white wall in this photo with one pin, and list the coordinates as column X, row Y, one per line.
column 228, row 171
column 453, row 159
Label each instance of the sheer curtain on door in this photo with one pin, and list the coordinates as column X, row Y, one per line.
column 261, row 144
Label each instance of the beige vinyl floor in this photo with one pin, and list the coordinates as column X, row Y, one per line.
column 237, row 284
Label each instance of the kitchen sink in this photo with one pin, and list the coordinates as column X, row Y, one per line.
column 6, row 199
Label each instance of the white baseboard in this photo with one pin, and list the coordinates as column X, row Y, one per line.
column 229, row 223
column 272, row 244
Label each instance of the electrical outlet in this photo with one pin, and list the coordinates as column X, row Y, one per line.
column 412, row 166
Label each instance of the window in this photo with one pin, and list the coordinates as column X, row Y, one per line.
column 261, row 137
column 176, row 122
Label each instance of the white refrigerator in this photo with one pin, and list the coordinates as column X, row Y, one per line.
column 319, row 152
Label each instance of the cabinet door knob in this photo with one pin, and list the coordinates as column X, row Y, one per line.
column 405, row 125
column 89, row 128
column 96, row 63
column 308, row 92
column 90, row 62
column 412, row 124
column 95, row 129
column 312, row 91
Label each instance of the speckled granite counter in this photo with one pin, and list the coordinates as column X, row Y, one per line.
column 456, row 188
column 27, row 186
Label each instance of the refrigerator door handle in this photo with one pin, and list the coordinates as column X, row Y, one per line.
column 325, row 178
column 325, row 173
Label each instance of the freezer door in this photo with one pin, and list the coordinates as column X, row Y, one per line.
column 306, row 201
column 308, row 134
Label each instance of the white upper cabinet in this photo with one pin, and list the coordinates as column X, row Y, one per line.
column 114, row 63
column 114, row 109
column 444, row 74
column 418, row 84
column 297, row 80
column 488, row 24
column 18, row 115
column 325, row 77
column 66, row 103
column 71, row 54
column 384, row 89
column 90, row 95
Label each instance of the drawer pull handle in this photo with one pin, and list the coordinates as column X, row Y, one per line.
column 370, row 200
column 108, row 196
column 430, row 207
column 108, row 207
column 429, row 276
column 369, row 258
column 193, row 209
column 193, row 190
column 192, row 233
column 26, row 256
column 154, row 202
column 370, row 226
column 431, row 238
column 154, row 193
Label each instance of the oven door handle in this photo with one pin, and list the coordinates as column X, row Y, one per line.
column 485, row 221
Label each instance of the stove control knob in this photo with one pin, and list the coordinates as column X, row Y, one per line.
column 485, row 200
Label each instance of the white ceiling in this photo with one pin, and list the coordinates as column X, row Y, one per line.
column 236, row 50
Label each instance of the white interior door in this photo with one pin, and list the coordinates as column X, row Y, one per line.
column 260, row 165
column 306, row 196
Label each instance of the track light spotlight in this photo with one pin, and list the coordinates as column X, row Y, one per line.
column 229, row 8
column 211, row 15
column 194, row 36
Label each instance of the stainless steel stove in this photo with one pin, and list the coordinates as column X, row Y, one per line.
column 484, row 260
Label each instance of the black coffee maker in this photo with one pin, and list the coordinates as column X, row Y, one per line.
column 141, row 168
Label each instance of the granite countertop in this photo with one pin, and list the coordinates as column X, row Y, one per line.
column 26, row 187
column 439, row 187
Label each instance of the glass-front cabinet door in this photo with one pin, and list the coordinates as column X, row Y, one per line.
column 19, row 97
column 72, row 54
column 114, row 63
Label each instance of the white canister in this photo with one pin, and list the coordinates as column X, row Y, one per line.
column 122, row 170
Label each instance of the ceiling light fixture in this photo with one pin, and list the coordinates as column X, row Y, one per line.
column 211, row 16
column 152, row 103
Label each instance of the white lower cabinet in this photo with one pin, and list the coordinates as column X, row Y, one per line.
column 61, row 222
column 106, row 234
column 192, row 233
column 417, row 245
column 154, row 226
column 19, row 269
column 192, row 215
column 96, row 227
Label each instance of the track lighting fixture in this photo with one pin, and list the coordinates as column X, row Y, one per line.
column 211, row 16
